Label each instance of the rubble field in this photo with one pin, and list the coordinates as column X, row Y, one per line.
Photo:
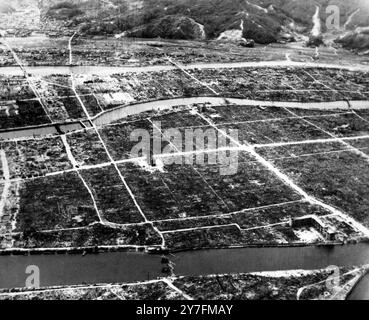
column 183, row 200
column 57, row 102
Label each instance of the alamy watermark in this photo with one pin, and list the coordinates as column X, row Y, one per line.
column 189, row 146
column 333, row 20
column 33, row 278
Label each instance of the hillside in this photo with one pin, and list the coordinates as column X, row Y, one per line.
column 264, row 21
column 357, row 40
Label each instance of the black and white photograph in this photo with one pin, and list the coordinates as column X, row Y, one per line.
column 197, row 152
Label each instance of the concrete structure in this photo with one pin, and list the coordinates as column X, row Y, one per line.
column 312, row 221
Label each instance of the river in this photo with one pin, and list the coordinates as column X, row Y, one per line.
column 124, row 111
column 118, row 267
column 361, row 290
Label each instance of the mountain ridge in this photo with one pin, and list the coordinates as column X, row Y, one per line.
column 264, row 21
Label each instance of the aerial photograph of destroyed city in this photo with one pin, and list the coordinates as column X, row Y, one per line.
column 184, row 150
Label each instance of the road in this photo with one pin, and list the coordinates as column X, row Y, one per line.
column 106, row 70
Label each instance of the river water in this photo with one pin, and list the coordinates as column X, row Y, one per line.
column 361, row 290
column 117, row 267
column 204, row 262
column 74, row 269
